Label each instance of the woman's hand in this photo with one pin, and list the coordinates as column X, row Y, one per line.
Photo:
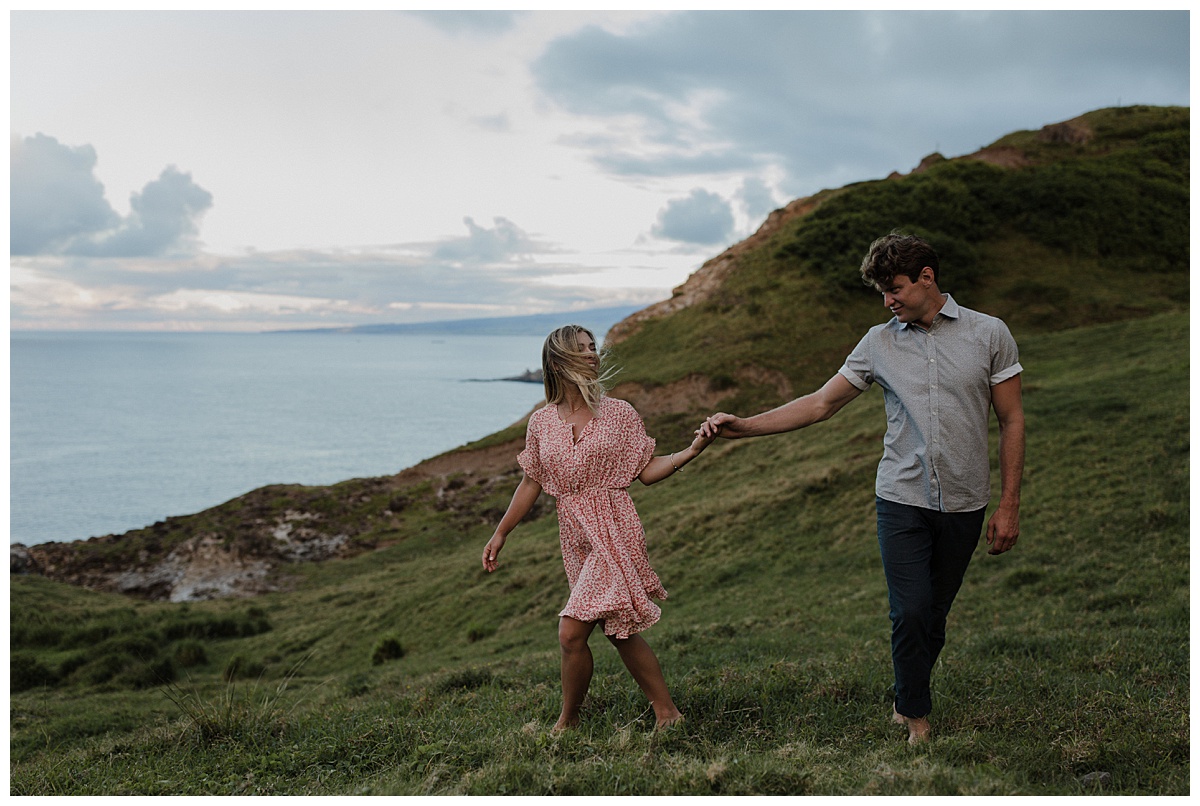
column 720, row 424
column 702, row 441
column 492, row 550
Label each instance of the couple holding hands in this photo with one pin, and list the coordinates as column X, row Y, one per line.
column 942, row 369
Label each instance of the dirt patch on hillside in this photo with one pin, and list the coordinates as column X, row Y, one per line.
column 697, row 392
column 493, row 460
column 1076, row 132
column 1003, row 156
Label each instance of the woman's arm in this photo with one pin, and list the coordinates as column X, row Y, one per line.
column 522, row 501
column 661, row 467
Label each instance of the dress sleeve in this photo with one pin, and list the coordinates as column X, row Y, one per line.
column 638, row 447
column 530, row 459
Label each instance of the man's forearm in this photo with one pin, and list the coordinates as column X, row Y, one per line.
column 804, row 411
column 1012, row 462
column 799, row 413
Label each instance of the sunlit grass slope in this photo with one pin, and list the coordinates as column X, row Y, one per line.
column 409, row 670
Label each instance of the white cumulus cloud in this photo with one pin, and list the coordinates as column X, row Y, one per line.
column 58, row 207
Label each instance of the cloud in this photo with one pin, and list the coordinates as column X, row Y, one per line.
column 54, row 195
column 827, row 98
column 699, row 218
column 494, row 123
column 486, row 23
column 241, row 303
column 503, row 242
column 58, row 206
column 294, row 289
column 163, row 218
column 756, row 198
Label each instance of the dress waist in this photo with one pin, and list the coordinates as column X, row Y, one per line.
column 591, row 492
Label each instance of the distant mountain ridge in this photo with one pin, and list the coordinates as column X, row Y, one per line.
column 598, row 320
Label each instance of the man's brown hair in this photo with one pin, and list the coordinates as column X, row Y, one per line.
column 896, row 253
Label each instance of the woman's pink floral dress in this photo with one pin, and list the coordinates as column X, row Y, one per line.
column 603, row 545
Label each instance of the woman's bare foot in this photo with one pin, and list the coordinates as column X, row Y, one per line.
column 661, row 723
column 565, row 724
column 918, row 727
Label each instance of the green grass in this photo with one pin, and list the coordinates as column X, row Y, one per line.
column 1067, row 656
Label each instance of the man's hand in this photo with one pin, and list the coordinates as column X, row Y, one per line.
column 1003, row 528
column 719, row 425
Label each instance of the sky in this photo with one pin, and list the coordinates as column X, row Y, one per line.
column 243, row 171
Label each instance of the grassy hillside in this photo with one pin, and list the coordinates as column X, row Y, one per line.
column 1068, row 656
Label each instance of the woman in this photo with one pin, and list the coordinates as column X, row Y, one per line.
column 585, row 449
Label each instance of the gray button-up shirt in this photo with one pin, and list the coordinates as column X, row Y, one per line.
column 937, row 390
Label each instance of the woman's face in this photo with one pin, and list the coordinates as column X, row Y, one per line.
column 588, row 345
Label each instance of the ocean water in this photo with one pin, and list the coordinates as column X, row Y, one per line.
column 115, row 431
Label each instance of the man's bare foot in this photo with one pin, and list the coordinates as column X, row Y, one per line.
column 918, row 727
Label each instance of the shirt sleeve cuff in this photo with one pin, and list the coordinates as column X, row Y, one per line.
column 1004, row 374
column 858, row 382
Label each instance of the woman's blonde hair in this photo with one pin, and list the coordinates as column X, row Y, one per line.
column 565, row 365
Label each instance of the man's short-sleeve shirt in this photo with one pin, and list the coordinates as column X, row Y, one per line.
column 937, row 392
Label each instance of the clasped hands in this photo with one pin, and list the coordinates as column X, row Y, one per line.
column 716, row 425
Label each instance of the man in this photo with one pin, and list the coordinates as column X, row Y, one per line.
column 940, row 366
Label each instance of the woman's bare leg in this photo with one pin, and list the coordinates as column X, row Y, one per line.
column 576, row 668
column 642, row 663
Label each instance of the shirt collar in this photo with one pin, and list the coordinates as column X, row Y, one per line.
column 949, row 310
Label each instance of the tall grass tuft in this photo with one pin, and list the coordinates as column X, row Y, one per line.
column 244, row 715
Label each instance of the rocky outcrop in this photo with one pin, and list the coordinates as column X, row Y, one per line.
column 211, row 565
column 20, row 562
column 528, row 376
column 201, row 568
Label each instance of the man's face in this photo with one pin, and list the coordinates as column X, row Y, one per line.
column 908, row 301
